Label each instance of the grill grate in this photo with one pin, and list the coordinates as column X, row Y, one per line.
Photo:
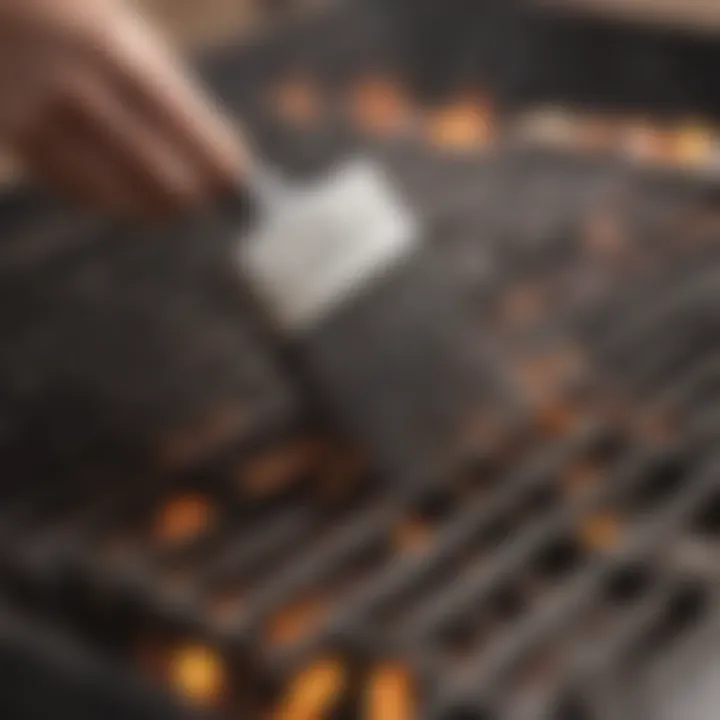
column 569, row 540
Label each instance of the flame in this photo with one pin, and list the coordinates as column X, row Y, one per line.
column 295, row 621
column 313, row 692
column 183, row 518
column 298, row 100
column 601, row 531
column 198, row 674
column 390, row 694
column 379, row 107
column 462, row 126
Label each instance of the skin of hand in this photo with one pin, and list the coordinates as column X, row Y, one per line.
column 97, row 106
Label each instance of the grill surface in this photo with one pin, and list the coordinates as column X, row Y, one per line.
column 189, row 514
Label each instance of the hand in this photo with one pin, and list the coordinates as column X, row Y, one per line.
column 94, row 104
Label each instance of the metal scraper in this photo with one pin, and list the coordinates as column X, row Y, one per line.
column 316, row 244
column 339, row 267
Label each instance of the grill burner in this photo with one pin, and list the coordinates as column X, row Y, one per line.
column 255, row 567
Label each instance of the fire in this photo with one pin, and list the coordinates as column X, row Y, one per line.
column 389, row 694
column 462, row 126
column 379, row 107
column 183, row 518
column 313, row 692
column 198, row 674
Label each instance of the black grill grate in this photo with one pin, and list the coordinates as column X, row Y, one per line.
column 570, row 539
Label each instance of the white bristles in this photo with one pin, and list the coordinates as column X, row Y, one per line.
column 319, row 245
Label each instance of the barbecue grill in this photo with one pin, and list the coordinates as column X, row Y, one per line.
column 183, row 530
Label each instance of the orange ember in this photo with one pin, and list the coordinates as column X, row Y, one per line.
column 199, row 675
column 462, row 126
column 693, row 145
column 390, row 694
column 183, row 519
column 314, row 692
column 601, row 532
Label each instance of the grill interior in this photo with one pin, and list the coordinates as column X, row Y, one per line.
column 175, row 502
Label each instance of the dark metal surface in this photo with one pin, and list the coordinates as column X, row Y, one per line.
column 564, row 547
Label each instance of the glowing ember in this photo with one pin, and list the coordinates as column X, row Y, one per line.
column 379, row 107
column 198, row 674
column 390, row 694
column 601, row 532
column 314, row 692
column 462, row 126
column 693, row 145
column 183, row 519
